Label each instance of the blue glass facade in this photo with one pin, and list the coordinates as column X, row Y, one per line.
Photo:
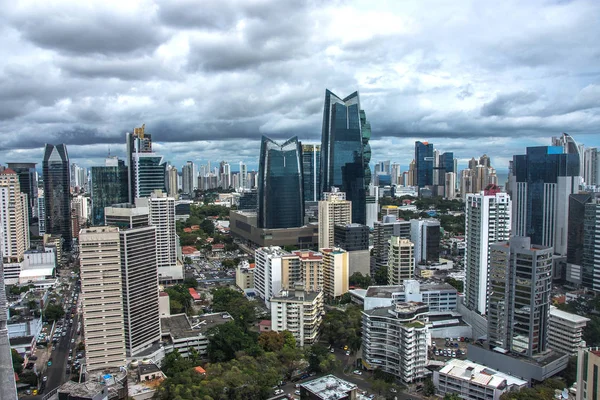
column 311, row 166
column 280, row 185
column 57, row 194
column 345, row 151
column 424, row 163
column 109, row 186
column 446, row 165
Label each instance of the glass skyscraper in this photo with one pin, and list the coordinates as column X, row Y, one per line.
column 541, row 184
column 345, row 151
column 446, row 165
column 57, row 183
column 147, row 171
column 424, row 163
column 280, row 185
column 109, row 186
column 311, row 166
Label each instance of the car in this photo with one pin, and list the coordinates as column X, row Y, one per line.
column 297, row 385
column 49, row 363
column 347, row 353
column 357, row 372
column 53, row 348
column 72, row 341
column 278, row 392
column 70, row 358
column 332, row 350
column 44, row 379
column 297, row 392
column 393, row 390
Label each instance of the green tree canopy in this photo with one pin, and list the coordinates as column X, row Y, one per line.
column 360, row 280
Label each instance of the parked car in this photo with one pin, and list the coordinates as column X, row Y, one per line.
column 357, row 372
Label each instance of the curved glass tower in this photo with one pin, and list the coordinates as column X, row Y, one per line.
column 280, row 185
column 57, row 183
column 345, row 151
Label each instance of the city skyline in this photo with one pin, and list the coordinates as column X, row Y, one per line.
column 421, row 76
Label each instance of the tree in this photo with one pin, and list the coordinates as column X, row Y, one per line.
column 360, row 280
column 207, row 226
column 451, row 396
column 227, row 339
column 271, row 341
column 320, row 360
column 28, row 378
column 458, row 285
column 53, row 312
column 174, row 364
column 190, row 283
column 428, row 387
column 180, row 298
column 381, row 276
column 236, row 304
column 17, row 361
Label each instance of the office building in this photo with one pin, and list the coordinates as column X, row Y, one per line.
column 450, row 186
column 425, row 234
column 382, row 233
column 372, row 200
column 474, row 381
column 575, row 238
column 147, row 171
column 57, row 194
column 7, row 374
column 401, row 260
column 590, row 263
column 565, row 331
column 298, row 312
column 41, row 212
column 280, row 185
column 311, row 167
column 328, row 387
column 423, row 164
column 189, row 180
column 139, row 273
column 542, row 181
column 28, row 182
column 248, row 200
column 345, row 151
column 396, row 174
column 109, row 186
column 14, row 217
column 336, row 271
column 487, row 221
column 520, row 279
column 590, row 170
column 102, row 298
column 268, row 272
column 244, row 275
column 394, row 340
column 588, row 366
column 333, row 209
column 354, row 238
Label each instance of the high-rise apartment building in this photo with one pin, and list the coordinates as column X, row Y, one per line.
column 268, row 272
column 423, row 164
column 333, row 209
column 336, row 271
column 478, row 176
column 426, row 235
column 590, row 263
column 345, row 152
column 298, row 312
column 280, row 185
column 588, row 373
column 102, row 298
column 450, row 186
column 57, row 192
column 139, row 274
column 28, row 181
column 541, row 182
column 109, row 186
column 147, row 171
column 311, row 270
column 395, row 340
column 487, row 221
column 172, row 181
column 401, row 260
column 520, row 279
column 565, row 331
column 382, row 233
column 14, row 217
column 590, row 170
column 189, row 180
column 372, row 200
column 7, row 373
column 243, row 182
column 311, row 168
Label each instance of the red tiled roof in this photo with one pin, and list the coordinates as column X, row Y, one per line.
column 200, row 370
column 188, row 250
column 194, row 294
column 8, row 171
column 252, row 265
column 218, row 246
column 265, row 322
column 163, row 294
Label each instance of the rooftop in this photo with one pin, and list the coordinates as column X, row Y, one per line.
column 179, row 326
column 574, row 318
column 147, row 368
column 291, row 295
column 469, row 371
column 384, row 291
column 329, row 387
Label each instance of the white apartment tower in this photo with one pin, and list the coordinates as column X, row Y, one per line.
column 487, row 221
column 335, row 271
column 14, row 217
column 102, row 298
column 298, row 312
column 401, row 260
column 333, row 210
column 268, row 272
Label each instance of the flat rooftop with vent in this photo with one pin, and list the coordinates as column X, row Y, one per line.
column 328, row 387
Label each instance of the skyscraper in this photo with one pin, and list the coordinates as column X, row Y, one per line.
column 401, row 260
column 109, row 186
column 590, row 275
column 102, row 298
column 543, row 180
column 188, row 177
column 487, row 221
column 172, row 181
column 14, row 218
column 311, row 167
column 57, row 192
column 280, row 185
column 139, row 274
column 345, row 151
column 146, row 168
column 425, row 234
column 28, row 183
column 243, row 176
column 424, row 164
column 333, row 209
column 519, row 300
column 7, row 374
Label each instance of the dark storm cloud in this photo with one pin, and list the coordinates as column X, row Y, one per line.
column 132, row 69
column 502, row 104
column 77, row 28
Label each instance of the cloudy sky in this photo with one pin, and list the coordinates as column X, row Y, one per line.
column 209, row 77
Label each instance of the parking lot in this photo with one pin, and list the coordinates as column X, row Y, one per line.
column 444, row 349
column 209, row 273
